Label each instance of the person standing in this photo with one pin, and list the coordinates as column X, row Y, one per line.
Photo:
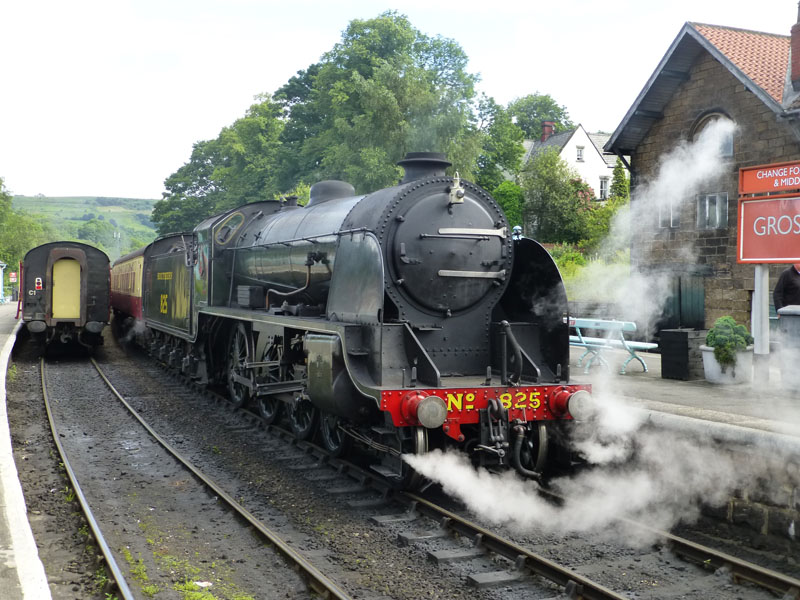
column 787, row 290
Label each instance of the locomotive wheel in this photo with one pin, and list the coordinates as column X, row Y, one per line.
column 269, row 408
column 533, row 454
column 303, row 418
column 417, row 444
column 334, row 439
column 238, row 356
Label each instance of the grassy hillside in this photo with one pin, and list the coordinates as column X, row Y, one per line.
column 117, row 225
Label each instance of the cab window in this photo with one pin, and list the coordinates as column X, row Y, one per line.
column 228, row 228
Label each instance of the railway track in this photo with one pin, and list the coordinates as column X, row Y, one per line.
column 520, row 562
column 465, row 552
column 60, row 424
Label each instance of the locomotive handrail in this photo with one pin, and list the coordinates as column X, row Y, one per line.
column 309, row 238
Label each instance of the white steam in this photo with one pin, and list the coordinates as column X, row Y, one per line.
column 684, row 171
column 654, row 476
column 138, row 329
column 658, row 478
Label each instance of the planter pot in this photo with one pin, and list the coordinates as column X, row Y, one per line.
column 741, row 372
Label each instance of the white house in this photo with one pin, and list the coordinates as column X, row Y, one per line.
column 582, row 151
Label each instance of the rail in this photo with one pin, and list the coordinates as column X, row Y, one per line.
column 316, row 579
column 116, row 572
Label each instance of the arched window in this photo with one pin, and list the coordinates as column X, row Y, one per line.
column 726, row 144
column 712, row 209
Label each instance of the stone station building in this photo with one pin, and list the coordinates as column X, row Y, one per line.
column 709, row 72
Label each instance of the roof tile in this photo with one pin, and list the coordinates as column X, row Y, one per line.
column 763, row 57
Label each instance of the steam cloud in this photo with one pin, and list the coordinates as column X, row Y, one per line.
column 684, row 171
column 656, row 476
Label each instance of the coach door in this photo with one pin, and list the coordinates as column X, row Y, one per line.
column 66, row 299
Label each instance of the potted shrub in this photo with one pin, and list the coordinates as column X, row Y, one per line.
column 728, row 353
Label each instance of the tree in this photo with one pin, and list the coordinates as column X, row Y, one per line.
column 98, row 232
column 557, row 201
column 620, row 184
column 192, row 192
column 236, row 168
column 529, row 112
column 511, row 199
column 18, row 232
column 385, row 88
column 602, row 238
column 501, row 150
column 247, row 153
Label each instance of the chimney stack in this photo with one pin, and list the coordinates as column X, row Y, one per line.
column 795, row 50
column 548, row 127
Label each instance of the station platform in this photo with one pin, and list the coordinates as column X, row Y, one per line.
column 22, row 574
column 763, row 407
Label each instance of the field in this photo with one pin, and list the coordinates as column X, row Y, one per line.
column 117, row 225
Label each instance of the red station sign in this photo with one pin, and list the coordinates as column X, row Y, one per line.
column 769, row 226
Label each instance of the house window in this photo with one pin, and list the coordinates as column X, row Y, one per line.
column 669, row 214
column 712, row 211
column 725, row 140
column 604, row 188
column 580, row 153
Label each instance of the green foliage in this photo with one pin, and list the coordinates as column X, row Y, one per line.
column 90, row 220
column 502, row 150
column 99, row 232
column 529, row 112
column 599, row 222
column 620, row 184
column 301, row 190
column 383, row 90
column 727, row 337
column 18, row 233
column 568, row 258
column 510, row 198
column 236, row 168
column 557, row 201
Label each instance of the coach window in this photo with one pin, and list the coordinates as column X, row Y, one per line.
column 228, row 228
column 712, row 211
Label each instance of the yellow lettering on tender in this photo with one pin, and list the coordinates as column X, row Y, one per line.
column 163, row 307
column 454, row 401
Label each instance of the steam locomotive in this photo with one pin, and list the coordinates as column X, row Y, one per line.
column 65, row 295
column 405, row 319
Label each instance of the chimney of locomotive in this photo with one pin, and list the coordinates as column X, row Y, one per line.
column 419, row 165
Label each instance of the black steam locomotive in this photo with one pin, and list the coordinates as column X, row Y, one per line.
column 404, row 319
column 65, row 294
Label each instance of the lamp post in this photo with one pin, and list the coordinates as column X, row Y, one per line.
column 2, row 292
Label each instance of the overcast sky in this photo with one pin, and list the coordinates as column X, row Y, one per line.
column 107, row 97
